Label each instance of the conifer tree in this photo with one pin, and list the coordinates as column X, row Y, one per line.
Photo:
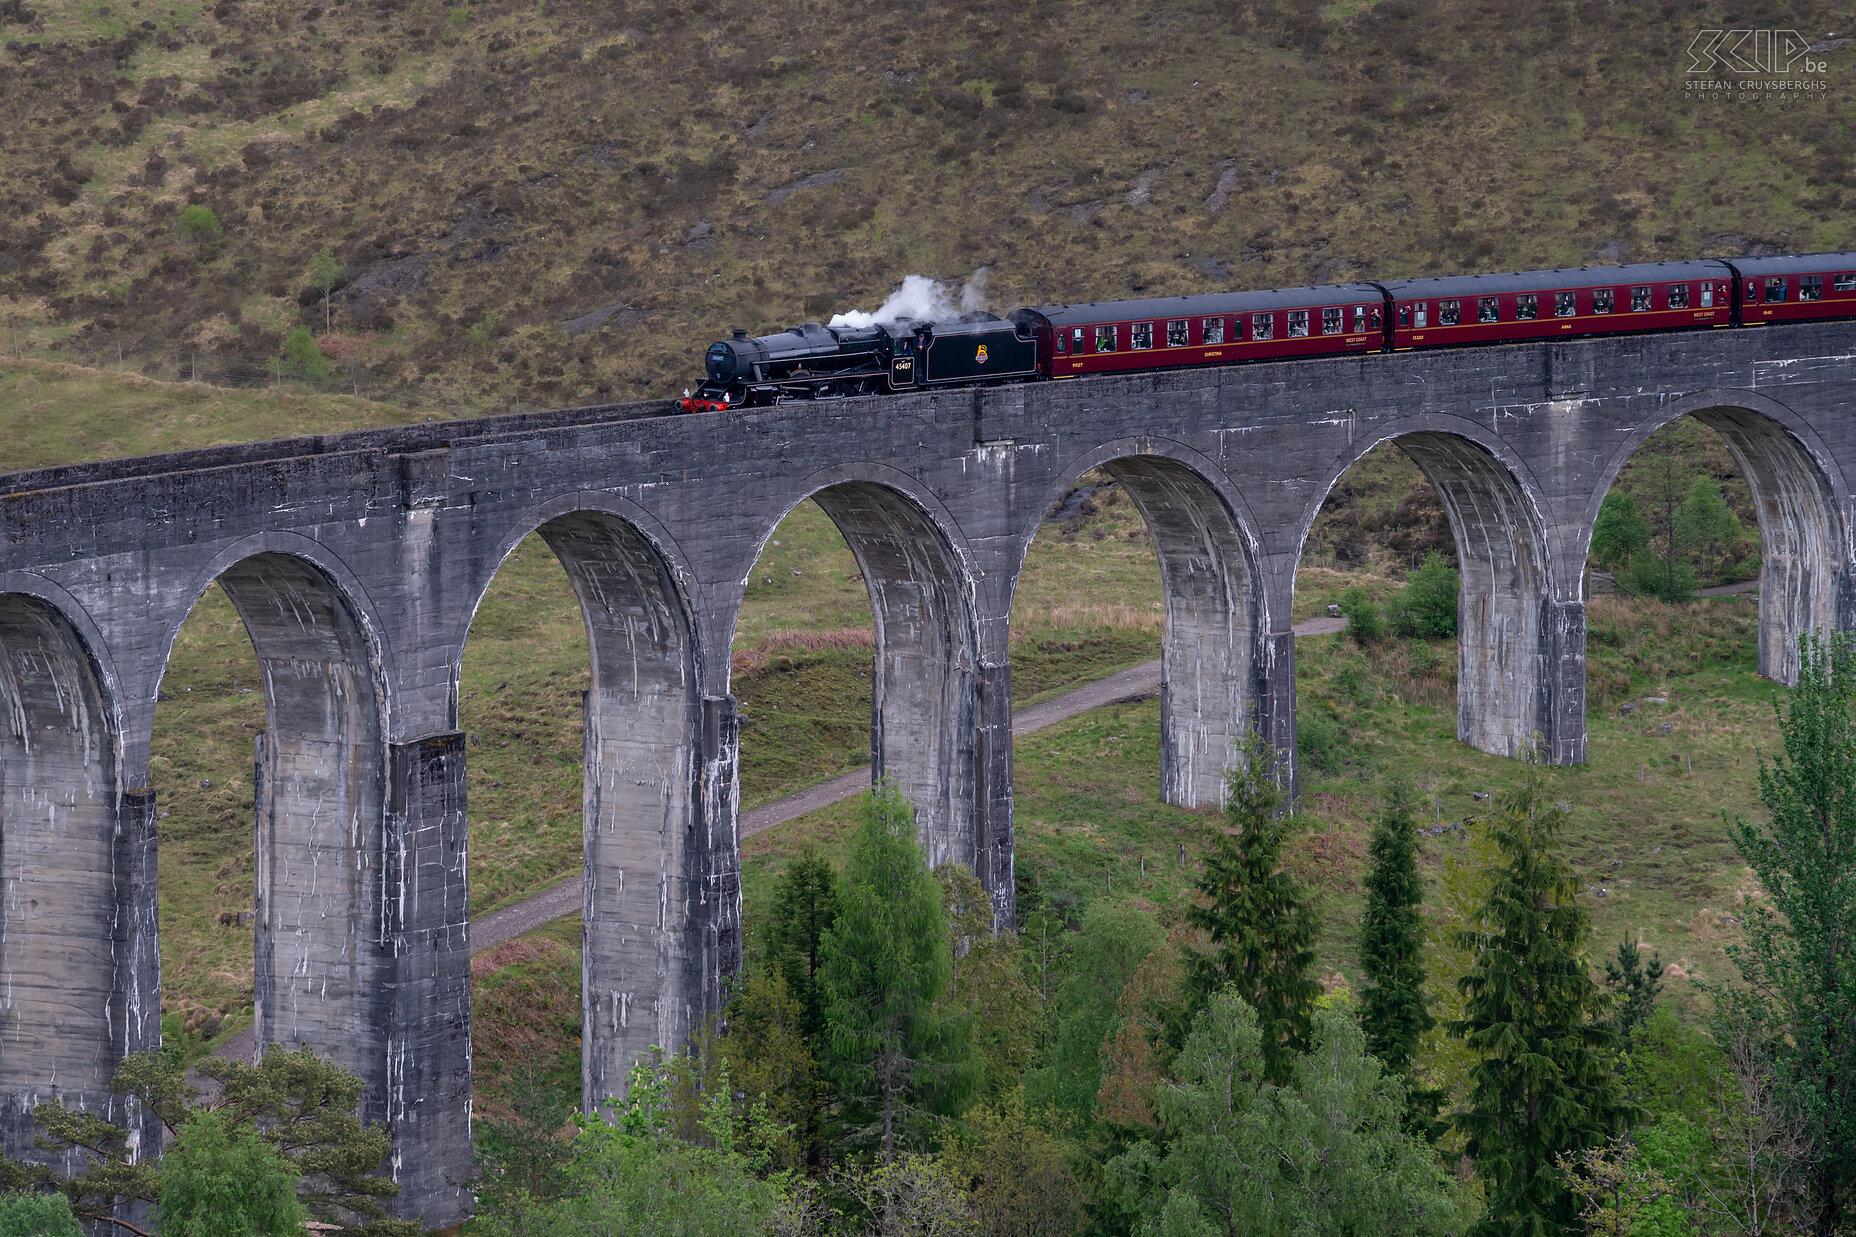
column 1634, row 984
column 892, row 1054
column 1261, row 922
column 1799, row 959
column 1542, row 1087
column 804, row 904
column 1393, row 1011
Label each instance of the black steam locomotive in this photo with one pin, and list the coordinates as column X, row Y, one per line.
column 816, row 362
column 1073, row 341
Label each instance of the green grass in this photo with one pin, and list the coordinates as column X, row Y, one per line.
column 62, row 414
column 1646, row 811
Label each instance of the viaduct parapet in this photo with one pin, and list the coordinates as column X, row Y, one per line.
column 357, row 561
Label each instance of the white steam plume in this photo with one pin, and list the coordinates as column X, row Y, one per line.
column 920, row 299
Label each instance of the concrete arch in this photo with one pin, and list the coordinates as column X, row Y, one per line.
column 1802, row 503
column 927, row 680
column 1216, row 650
column 67, row 856
column 658, row 809
column 1510, row 633
column 321, row 936
column 340, row 577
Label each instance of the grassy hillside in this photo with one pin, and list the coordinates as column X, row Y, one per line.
column 565, row 200
column 53, row 413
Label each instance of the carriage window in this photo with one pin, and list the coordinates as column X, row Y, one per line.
column 1810, row 287
column 1063, row 343
column 1330, row 322
column 1298, row 323
column 1640, row 298
column 1678, row 296
column 1105, row 339
column 1449, row 313
column 1421, row 312
column 1601, row 300
column 1489, row 309
column 1775, row 290
column 1404, row 316
column 1707, row 294
column 1527, row 308
column 1262, row 326
column 1176, row 334
column 1359, row 318
column 1843, row 283
column 1143, row 335
column 1565, row 304
column 1211, row 331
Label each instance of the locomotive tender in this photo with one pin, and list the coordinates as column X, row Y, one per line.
column 1066, row 341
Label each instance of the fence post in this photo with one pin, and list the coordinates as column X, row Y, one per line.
column 280, row 371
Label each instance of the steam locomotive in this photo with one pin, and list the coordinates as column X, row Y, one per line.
column 1067, row 341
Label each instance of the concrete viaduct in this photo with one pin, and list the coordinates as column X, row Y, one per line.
column 357, row 561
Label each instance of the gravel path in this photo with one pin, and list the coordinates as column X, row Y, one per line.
column 1135, row 683
column 564, row 899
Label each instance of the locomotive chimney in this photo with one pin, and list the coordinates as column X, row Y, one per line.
column 738, row 333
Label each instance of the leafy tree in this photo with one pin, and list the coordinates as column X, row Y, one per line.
column 1394, row 1012
column 911, row 1196
column 1799, row 955
column 1016, row 1171
column 303, row 1107
column 1634, row 983
column 1620, row 532
column 326, row 269
column 988, row 985
column 891, row 1052
column 1325, row 1154
column 1662, row 576
column 1110, row 946
column 1542, row 1087
column 636, row 1178
column 200, row 225
column 1619, row 1195
column 304, row 358
column 37, row 1215
column 1671, row 1068
column 1427, row 605
column 1365, row 622
column 1709, row 528
column 522, row 1157
column 1261, row 922
column 220, row 1179
column 772, row 1064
